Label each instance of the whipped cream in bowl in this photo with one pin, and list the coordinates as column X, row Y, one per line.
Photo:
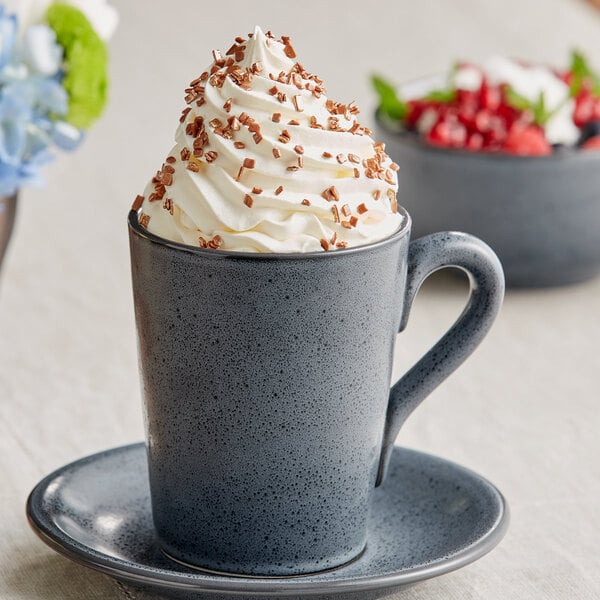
column 264, row 162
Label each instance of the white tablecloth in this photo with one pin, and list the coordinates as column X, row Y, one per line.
column 523, row 411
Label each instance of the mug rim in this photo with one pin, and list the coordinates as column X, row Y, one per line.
column 136, row 228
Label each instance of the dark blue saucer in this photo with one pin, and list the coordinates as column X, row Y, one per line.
column 430, row 517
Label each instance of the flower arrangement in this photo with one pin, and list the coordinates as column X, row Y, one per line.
column 53, row 81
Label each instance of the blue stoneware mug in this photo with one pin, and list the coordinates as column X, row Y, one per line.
column 266, row 385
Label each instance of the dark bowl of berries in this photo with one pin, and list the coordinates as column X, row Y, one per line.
column 509, row 152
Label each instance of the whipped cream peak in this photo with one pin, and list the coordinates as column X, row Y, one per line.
column 264, row 162
column 261, row 50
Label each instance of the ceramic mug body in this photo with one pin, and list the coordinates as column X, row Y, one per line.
column 266, row 383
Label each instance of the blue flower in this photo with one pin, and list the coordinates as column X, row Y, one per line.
column 33, row 104
column 15, row 175
column 8, row 33
column 66, row 136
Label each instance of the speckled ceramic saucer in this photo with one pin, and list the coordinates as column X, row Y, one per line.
column 430, row 517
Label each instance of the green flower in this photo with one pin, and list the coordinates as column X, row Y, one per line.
column 86, row 64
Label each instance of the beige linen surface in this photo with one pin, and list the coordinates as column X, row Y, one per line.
column 523, row 411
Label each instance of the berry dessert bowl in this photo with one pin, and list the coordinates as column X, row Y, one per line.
column 522, row 175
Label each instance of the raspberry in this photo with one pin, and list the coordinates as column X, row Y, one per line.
column 467, row 98
column 490, row 96
column 527, row 140
column 458, row 135
column 483, row 120
column 584, row 109
column 592, row 144
column 448, row 132
column 439, row 134
column 415, row 109
column 566, row 77
column 475, row 142
column 466, row 115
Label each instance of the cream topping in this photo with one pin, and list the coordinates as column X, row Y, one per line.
column 264, row 162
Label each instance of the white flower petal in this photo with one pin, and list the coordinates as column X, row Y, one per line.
column 65, row 136
column 29, row 12
column 40, row 51
column 102, row 16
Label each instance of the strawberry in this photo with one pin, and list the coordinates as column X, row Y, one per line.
column 526, row 140
column 592, row 144
column 588, row 131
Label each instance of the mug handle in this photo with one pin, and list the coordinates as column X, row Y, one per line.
column 426, row 255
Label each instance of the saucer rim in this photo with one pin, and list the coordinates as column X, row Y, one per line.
column 123, row 570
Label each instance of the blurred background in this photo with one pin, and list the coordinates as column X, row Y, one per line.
column 68, row 365
column 68, row 267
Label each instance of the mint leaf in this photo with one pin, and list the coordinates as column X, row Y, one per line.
column 389, row 103
column 538, row 109
column 581, row 71
column 517, row 101
column 540, row 114
column 579, row 63
column 441, row 96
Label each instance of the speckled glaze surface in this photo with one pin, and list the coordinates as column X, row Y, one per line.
column 266, row 386
column 539, row 214
column 428, row 518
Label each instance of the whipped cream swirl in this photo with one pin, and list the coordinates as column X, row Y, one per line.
column 264, row 162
